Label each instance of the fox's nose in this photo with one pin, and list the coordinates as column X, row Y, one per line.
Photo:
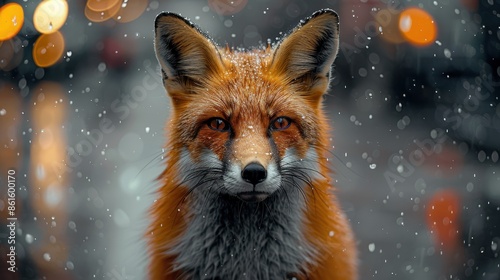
column 254, row 173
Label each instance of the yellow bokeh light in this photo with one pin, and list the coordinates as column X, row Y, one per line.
column 11, row 20
column 48, row 177
column 50, row 16
column 48, row 49
column 417, row 26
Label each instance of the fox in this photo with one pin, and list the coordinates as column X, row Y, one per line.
column 246, row 192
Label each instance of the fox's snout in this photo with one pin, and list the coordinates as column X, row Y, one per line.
column 253, row 181
column 254, row 173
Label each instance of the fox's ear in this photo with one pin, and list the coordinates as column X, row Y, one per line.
column 307, row 53
column 185, row 54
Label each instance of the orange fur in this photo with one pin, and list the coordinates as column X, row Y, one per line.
column 251, row 86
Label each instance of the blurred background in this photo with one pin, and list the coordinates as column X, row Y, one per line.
column 414, row 104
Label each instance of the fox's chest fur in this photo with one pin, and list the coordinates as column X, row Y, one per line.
column 228, row 239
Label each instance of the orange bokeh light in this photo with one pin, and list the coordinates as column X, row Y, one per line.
column 50, row 16
column 443, row 218
column 48, row 179
column 100, row 16
column 120, row 11
column 417, row 26
column 48, row 49
column 11, row 20
column 102, row 5
column 131, row 10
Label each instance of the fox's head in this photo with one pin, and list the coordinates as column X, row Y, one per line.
column 247, row 124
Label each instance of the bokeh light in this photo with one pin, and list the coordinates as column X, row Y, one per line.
column 10, row 120
column 130, row 10
column 50, row 16
column 417, row 26
column 11, row 54
column 48, row 49
column 227, row 7
column 11, row 20
column 48, row 179
column 443, row 218
column 120, row 11
column 102, row 5
column 102, row 15
column 49, row 141
column 388, row 26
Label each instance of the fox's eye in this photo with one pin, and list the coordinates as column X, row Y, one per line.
column 218, row 124
column 281, row 123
